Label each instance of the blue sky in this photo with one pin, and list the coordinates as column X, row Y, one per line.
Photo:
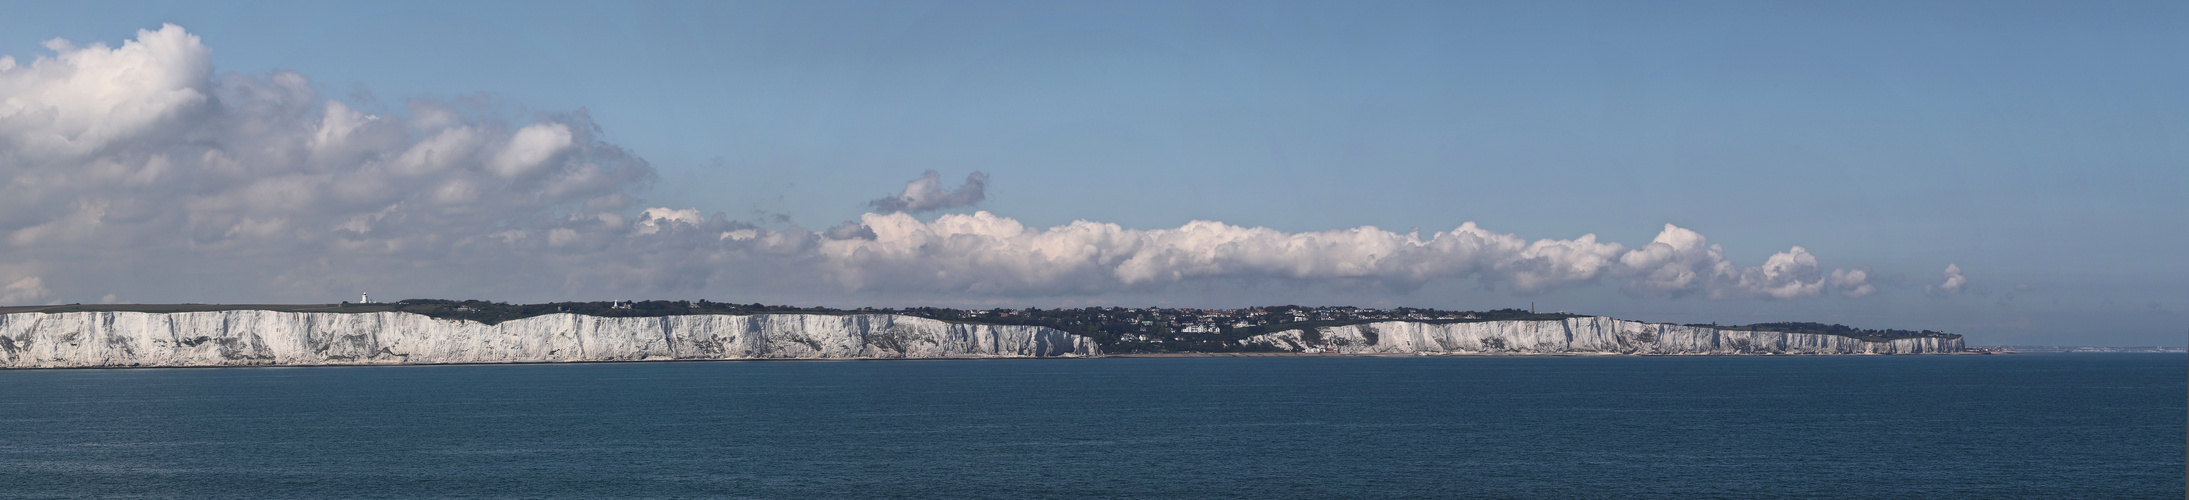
column 2038, row 147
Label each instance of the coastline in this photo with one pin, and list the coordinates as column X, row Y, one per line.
column 273, row 338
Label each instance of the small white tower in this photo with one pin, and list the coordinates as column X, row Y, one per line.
column 364, row 298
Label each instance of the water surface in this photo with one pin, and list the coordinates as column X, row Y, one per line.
column 2089, row 425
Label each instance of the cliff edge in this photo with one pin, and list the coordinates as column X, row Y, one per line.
column 249, row 337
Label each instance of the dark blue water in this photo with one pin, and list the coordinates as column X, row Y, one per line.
column 2109, row 425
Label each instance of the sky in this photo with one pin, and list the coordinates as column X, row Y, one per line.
column 2009, row 171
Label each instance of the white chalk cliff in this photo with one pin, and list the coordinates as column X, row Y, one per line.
column 1585, row 335
column 247, row 338
column 242, row 338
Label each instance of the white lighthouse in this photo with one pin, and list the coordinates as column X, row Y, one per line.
column 364, row 298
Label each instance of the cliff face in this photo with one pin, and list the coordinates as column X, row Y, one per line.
column 239, row 338
column 1579, row 336
column 244, row 338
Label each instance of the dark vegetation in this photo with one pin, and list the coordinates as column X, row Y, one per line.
column 1117, row 329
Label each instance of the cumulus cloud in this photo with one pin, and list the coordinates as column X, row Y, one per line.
column 1953, row 285
column 926, row 194
column 85, row 99
column 143, row 153
column 1680, row 262
column 139, row 168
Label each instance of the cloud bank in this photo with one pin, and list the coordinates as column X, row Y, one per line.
column 985, row 253
column 138, row 172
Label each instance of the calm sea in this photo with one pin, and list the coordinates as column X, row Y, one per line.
column 2032, row 425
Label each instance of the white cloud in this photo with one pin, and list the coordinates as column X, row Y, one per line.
column 653, row 220
column 1681, row 262
column 444, row 150
column 1953, row 285
column 530, row 148
column 26, row 290
column 84, row 99
column 1786, row 275
column 985, row 253
column 1677, row 262
column 256, row 186
column 142, row 153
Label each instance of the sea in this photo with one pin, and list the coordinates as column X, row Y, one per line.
column 1998, row 426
